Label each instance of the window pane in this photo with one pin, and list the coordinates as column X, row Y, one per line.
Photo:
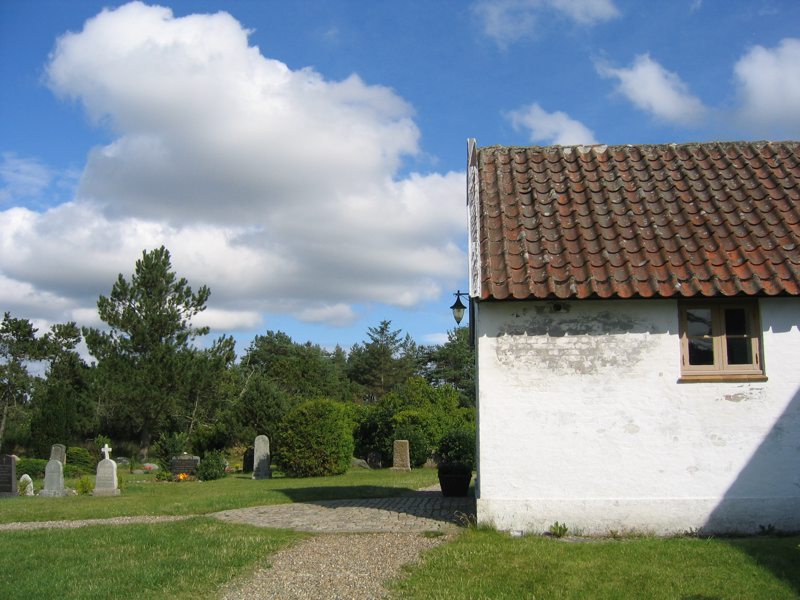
column 698, row 322
column 739, row 351
column 735, row 321
column 701, row 352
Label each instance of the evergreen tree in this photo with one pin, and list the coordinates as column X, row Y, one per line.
column 141, row 358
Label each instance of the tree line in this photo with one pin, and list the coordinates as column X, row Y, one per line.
column 149, row 380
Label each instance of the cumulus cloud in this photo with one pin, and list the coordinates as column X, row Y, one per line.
column 550, row 128
column 655, row 90
column 508, row 21
column 768, row 81
column 278, row 188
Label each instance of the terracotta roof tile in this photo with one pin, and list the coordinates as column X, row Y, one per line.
column 626, row 221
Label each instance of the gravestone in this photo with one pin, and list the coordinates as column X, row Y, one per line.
column 53, row 480
column 8, row 475
column 374, row 460
column 106, row 482
column 402, row 456
column 247, row 460
column 59, row 452
column 26, row 485
column 261, row 458
column 185, row 463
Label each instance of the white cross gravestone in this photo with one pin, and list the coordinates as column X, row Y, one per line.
column 106, row 481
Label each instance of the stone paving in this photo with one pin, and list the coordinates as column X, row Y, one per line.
column 425, row 510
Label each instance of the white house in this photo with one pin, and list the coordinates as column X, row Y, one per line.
column 636, row 312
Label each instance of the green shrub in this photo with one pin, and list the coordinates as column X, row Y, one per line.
column 84, row 486
column 35, row 468
column 169, row 445
column 82, row 459
column 316, row 440
column 32, row 466
column 212, row 466
column 457, row 447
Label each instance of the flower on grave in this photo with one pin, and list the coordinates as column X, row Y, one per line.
column 182, row 476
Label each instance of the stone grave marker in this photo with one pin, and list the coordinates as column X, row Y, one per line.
column 185, row 463
column 8, row 475
column 247, row 460
column 106, row 482
column 59, row 452
column 53, row 480
column 374, row 460
column 26, row 485
column 402, row 456
column 261, row 458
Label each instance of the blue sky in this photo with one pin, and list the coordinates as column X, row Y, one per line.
column 305, row 160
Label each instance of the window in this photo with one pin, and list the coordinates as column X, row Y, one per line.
column 720, row 341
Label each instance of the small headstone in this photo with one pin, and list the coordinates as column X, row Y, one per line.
column 8, row 475
column 185, row 463
column 374, row 460
column 106, row 481
column 247, row 460
column 53, row 480
column 359, row 462
column 261, row 458
column 402, row 456
column 25, row 485
column 59, row 452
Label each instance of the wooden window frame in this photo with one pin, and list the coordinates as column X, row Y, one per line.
column 721, row 370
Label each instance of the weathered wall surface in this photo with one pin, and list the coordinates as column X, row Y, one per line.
column 582, row 421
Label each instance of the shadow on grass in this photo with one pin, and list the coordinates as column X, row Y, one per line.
column 423, row 504
column 779, row 555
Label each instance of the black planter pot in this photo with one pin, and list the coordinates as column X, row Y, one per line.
column 454, row 482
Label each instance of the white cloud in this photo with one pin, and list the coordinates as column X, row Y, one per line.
column 508, row 21
column 769, row 88
column 654, row 89
column 550, row 128
column 274, row 187
column 22, row 177
column 437, row 339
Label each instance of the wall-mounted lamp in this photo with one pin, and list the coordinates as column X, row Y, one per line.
column 458, row 307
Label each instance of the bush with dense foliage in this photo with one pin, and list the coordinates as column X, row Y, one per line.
column 35, row 468
column 212, row 466
column 82, row 459
column 457, row 447
column 169, row 445
column 316, row 440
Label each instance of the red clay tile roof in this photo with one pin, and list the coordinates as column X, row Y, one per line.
column 716, row 219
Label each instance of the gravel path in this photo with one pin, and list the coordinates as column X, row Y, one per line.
column 334, row 566
column 27, row 525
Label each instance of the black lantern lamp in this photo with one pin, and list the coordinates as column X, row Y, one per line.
column 458, row 307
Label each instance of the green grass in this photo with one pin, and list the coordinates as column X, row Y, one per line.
column 185, row 559
column 142, row 495
column 487, row 564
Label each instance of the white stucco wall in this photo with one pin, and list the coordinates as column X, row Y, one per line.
column 582, row 421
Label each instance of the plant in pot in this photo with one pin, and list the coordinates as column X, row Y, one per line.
column 456, row 461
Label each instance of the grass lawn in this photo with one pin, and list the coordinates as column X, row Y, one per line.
column 184, row 559
column 142, row 495
column 487, row 564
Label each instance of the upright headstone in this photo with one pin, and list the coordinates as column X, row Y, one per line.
column 185, row 463
column 374, row 460
column 106, row 482
column 247, row 460
column 261, row 458
column 8, row 475
column 401, row 461
column 26, row 485
column 59, row 452
column 53, row 480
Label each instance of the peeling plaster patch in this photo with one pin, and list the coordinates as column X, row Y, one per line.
column 735, row 397
column 564, row 344
column 631, row 428
column 718, row 441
